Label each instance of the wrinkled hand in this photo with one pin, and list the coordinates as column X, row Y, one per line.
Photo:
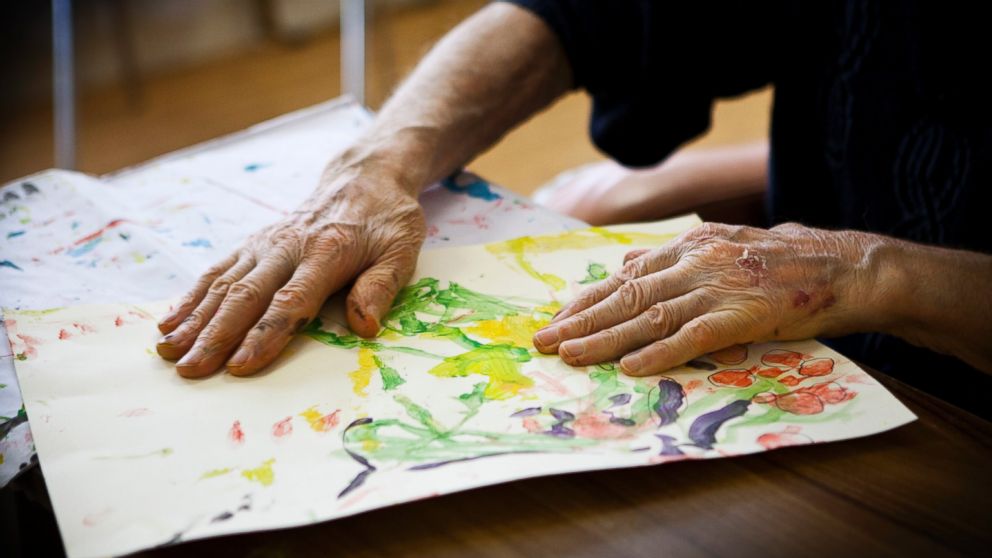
column 716, row 286
column 252, row 303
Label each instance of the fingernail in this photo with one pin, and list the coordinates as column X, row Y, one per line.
column 631, row 364
column 166, row 339
column 240, row 357
column 194, row 354
column 574, row 348
column 547, row 336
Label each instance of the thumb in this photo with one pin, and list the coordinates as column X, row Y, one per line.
column 372, row 296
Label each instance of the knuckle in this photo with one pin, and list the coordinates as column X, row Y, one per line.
column 700, row 333
column 660, row 319
column 245, row 291
column 579, row 324
column 631, row 270
column 221, row 285
column 633, row 294
column 291, row 297
column 609, row 339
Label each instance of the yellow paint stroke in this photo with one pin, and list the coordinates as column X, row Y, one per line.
column 514, row 330
column 360, row 378
column 138, row 257
column 215, row 473
column 594, row 237
column 368, row 446
column 499, row 363
column 317, row 421
column 262, row 474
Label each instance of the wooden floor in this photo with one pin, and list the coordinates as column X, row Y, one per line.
column 226, row 95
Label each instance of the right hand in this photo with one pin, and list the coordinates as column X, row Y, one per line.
column 356, row 224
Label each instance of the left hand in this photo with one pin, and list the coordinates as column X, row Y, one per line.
column 717, row 286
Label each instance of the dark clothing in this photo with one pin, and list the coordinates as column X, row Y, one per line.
column 881, row 121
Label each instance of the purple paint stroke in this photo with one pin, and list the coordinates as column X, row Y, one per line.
column 619, row 399
column 360, row 478
column 670, row 400
column 14, row 234
column 704, row 428
column 10, row 264
column 29, row 188
column 559, row 430
column 563, row 416
column 668, row 446
column 528, row 412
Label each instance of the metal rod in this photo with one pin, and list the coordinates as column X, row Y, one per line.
column 63, row 84
column 353, row 48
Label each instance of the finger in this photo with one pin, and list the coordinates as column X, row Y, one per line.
column 246, row 300
column 701, row 335
column 192, row 299
column 657, row 322
column 633, row 254
column 292, row 308
column 651, row 262
column 625, row 303
column 177, row 343
column 375, row 289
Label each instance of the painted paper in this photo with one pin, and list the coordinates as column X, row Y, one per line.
column 450, row 396
column 146, row 233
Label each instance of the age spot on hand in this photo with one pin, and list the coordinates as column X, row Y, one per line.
column 800, row 299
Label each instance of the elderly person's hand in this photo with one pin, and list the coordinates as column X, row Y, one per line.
column 717, row 286
column 358, row 223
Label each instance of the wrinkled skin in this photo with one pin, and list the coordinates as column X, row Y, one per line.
column 714, row 287
column 355, row 226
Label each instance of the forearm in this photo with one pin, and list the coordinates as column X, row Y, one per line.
column 695, row 177
column 938, row 298
column 490, row 73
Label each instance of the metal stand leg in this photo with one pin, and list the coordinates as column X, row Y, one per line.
column 353, row 48
column 63, row 84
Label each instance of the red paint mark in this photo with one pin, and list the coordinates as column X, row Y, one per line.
column 733, row 378
column 781, row 357
column 735, row 354
column 599, row 427
column 790, row 381
column 800, row 299
column 138, row 412
column 830, row 392
column 817, row 367
column 764, row 398
column 283, row 428
column 692, row 386
column 863, row 379
column 800, row 403
column 84, row 328
column 96, row 518
column 99, row 232
column 235, row 434
column 769, row 372
column 30, row 344
column 63, row 334
column 433, row 231
column 327, row 422
column 789, row 437
column 119, row 321
column 553, row 383
column 531, row 424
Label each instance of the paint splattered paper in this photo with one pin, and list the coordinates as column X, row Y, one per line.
column 451, row 396
column 146, row 233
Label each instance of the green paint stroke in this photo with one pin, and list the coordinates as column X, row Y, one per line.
column 595, row 272
column 391, row 379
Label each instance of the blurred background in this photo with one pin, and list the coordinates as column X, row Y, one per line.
column 154, row 76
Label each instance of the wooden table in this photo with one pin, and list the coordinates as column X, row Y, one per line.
column 922, row 489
